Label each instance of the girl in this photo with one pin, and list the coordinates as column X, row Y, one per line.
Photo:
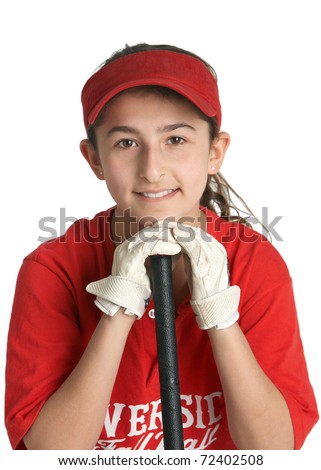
column 82, row 367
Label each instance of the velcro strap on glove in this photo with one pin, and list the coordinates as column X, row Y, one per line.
column 218, row 311
column 120, row 291
column 107, row 307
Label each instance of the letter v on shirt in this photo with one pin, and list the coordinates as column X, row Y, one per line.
column 145, row 420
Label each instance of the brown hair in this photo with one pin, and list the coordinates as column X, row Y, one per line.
column 217, row 195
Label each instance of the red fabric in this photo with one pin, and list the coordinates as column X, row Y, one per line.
column 54, row 317
column 180, row 72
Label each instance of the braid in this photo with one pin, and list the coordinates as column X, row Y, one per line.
column 217, row 198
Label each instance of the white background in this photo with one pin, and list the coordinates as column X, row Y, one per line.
column 267, row 56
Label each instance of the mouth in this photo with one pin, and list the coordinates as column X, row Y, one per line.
column 159, row 194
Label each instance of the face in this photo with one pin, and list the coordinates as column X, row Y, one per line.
column 155, row 155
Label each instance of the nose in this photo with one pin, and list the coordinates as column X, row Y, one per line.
column 152, row 164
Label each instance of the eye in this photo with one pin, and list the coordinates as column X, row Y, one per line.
column 126, row 143
column 175, row 140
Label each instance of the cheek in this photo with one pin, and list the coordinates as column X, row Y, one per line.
column 197, row 169
column 119, row 178
column 114, row 169
column 115, row 178
column 197, row 175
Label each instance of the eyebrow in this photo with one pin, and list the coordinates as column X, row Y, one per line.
column 133, row 130
column 177, row 125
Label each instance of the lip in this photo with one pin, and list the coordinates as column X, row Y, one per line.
column 155, row 196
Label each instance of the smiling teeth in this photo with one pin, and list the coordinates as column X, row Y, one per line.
column 160, row 194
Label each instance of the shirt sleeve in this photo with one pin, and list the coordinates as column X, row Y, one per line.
column 270, row 323
column 44, row 345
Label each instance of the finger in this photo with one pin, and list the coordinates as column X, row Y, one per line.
column 165, row 248
column 185, row 236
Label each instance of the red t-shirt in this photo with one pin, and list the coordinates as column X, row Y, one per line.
column 54, row 317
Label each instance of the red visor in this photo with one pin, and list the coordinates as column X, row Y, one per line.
column 179, row 72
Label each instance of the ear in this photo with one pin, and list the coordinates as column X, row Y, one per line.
column 92, row 157
column 218, row 149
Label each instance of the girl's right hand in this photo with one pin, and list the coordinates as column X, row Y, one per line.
column 129, row 285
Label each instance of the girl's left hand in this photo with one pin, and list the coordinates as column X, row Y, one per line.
column 214, row 301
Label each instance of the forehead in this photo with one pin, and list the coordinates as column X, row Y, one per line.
column 129, row 96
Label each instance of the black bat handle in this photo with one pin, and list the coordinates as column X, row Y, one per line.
column 167, row 351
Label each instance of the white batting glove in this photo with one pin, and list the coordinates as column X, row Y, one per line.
column 129, row 285
column 214, row 302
